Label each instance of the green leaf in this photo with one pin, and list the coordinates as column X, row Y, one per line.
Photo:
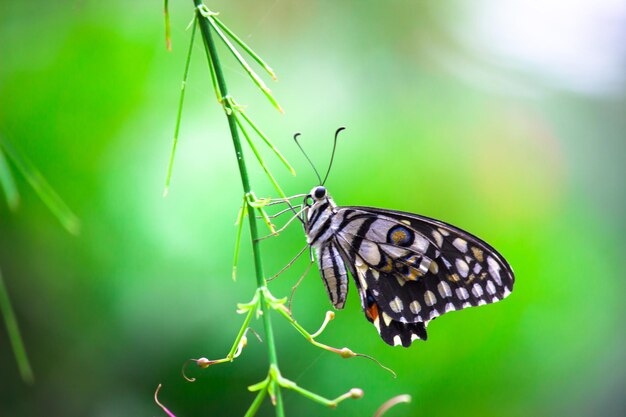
column 267, row 141
column 253, row 75
column 240, row 217
column 45, row 192
column 258, row 155
column 8, row 184
column 249, row 50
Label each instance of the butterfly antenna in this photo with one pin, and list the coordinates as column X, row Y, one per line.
column 332, row 156
column 295, row 138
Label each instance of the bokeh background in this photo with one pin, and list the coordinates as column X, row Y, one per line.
column 506, row 118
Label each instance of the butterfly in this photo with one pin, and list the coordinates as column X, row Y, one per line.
column 408, row 269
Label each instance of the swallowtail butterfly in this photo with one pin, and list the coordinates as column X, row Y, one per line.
column 408, row 269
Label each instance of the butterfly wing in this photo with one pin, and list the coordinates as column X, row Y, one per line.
column 410, row 269
column 393, row 332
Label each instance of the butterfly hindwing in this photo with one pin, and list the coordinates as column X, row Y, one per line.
column 393, row 332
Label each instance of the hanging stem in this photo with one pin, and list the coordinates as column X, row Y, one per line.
column 6, row 310
column 181, row 100
column 214, row 62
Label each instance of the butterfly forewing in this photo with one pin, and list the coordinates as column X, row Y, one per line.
column 463, row 270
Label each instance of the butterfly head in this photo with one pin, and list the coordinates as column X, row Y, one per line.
column 319, row 209
column 318, row 193
column 318, row 196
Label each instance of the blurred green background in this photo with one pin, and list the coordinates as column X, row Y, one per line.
column 504, row 118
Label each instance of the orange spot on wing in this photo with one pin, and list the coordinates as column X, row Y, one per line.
column 398, row 236
column 388, row 266
column 372, row 311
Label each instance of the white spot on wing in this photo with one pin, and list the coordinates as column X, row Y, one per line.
column 449, row 307
column 430, row 298
column 415, row 307
column 494, row 270
column 396, row 340
column 401, row 280
column 444, row 289
column 361, row 269
column 396, row 305
column 438, row 238
column 387, row 318
column 460, row 244
column 443, row 231
column 491, row 289
column 477, row 290
column 462, row 293
column 462, row 267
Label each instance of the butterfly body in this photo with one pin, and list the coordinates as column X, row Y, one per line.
column 408, row 269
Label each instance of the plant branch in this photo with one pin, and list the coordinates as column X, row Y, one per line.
column 245, row 181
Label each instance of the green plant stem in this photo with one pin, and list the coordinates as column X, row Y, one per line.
column 168, row 31
column 14, row 334
column 181, row 100
column 254, row 407
column 256, row 250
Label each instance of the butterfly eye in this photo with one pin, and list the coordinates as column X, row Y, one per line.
column 319, row 192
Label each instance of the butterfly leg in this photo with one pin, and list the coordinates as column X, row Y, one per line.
column 274, row 201
column 280, row 213
column 295, row 287
column 291, row 262
column 296, row 216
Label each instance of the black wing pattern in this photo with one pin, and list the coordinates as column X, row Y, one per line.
column 410, row 269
